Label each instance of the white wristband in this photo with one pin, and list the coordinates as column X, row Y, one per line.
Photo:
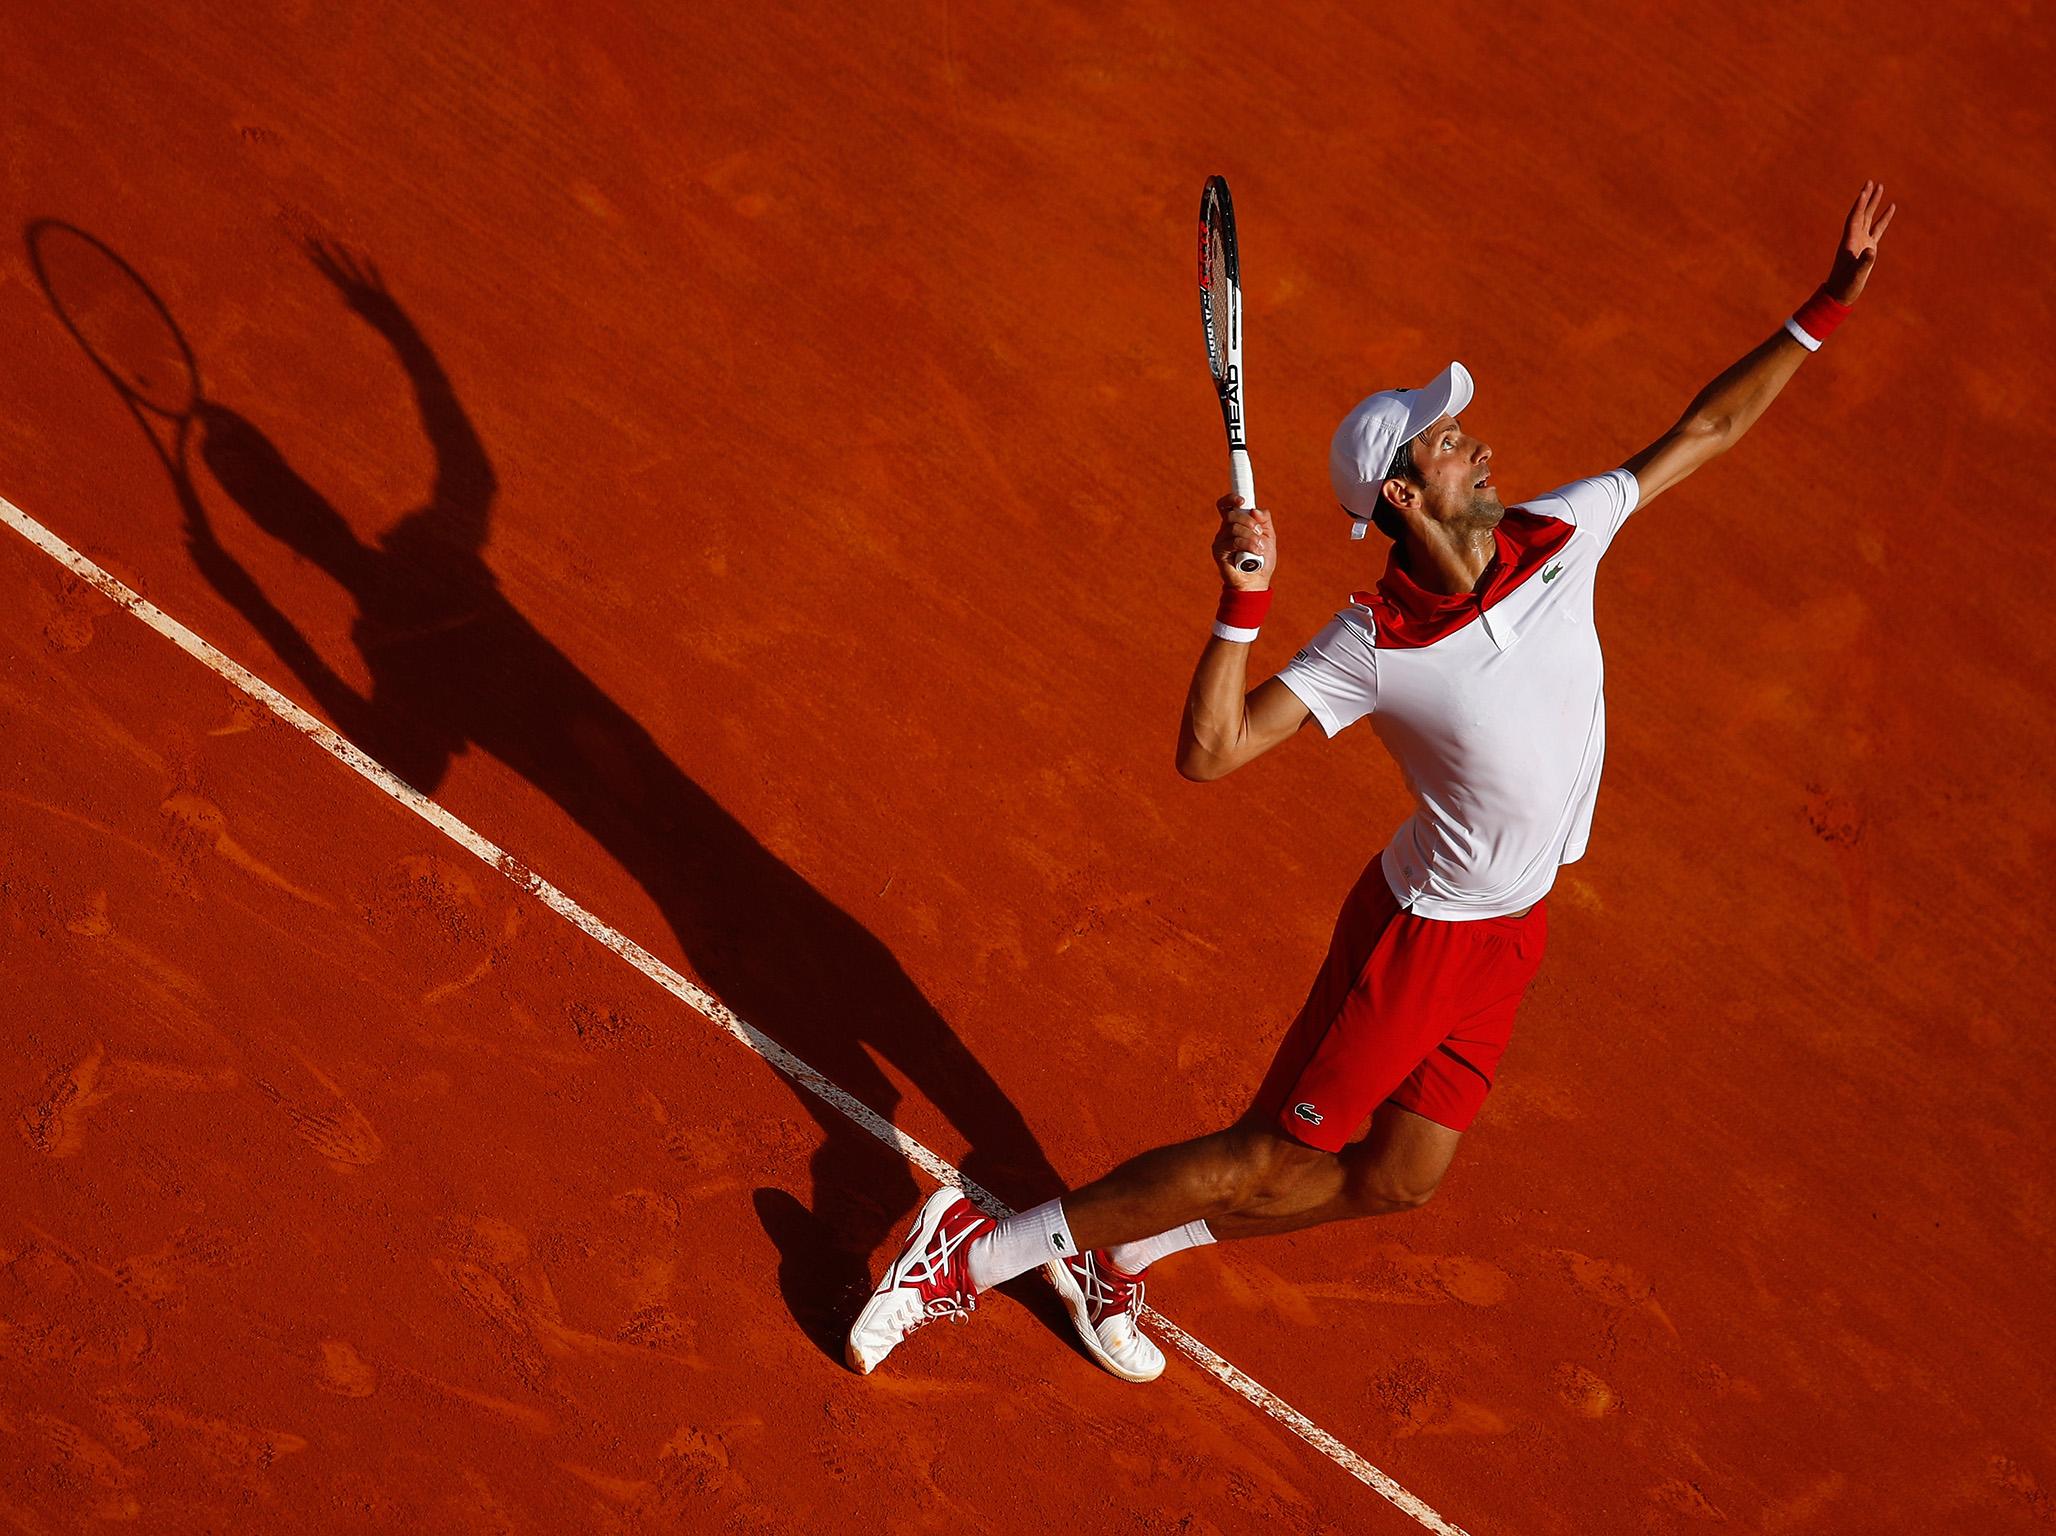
column 1798, row 333
column 1231, row 632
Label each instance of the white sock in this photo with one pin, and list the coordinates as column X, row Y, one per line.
column 1133, row 1258
column 1019, row 1243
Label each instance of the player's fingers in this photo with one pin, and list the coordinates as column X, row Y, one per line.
column 1228, row 503
column 1866, row 210
column 1878, row 229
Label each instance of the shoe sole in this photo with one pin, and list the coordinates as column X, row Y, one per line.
column 1058, row 1274
column 930, row 1217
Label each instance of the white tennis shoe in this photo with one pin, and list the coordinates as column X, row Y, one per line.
column 930, row 1279
column 1106, row 1309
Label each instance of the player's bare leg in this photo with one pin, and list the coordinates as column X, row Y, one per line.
column 1396, row 1166
column 1253, row 1180
column 1247, row 1181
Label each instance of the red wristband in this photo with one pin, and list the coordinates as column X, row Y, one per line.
column 1817, row 319
column 1243, row 610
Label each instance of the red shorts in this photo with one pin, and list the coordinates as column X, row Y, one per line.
column 1411, row 1010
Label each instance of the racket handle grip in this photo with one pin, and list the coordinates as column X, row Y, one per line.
column 1245, row 487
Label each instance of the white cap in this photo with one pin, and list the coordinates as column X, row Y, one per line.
column 1371, row 435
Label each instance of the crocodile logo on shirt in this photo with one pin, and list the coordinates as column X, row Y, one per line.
column 1551, row 574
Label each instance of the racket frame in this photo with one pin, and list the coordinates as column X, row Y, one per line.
column 1222, row 314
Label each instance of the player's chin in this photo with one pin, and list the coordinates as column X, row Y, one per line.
column 1486, row 506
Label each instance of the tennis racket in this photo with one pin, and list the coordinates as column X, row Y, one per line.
column 1220, row 306
column 121, row 324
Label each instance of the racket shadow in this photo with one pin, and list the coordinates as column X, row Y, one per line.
column 455, row 666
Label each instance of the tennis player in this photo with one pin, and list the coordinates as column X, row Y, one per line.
column 1476, row 661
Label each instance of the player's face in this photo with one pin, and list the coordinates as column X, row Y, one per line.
column 1456, row 474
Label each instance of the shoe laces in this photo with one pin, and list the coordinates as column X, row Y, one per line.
column 1109, row 1291
column 915, row 1312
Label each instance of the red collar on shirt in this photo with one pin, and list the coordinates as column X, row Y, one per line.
column 1410, row 616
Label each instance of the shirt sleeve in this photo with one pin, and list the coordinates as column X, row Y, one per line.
column 1598, row 505
column 1336, row 675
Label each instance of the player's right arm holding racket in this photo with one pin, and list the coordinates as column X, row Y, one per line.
column 1226, row 722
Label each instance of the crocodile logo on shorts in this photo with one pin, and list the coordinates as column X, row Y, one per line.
column 1307, row 1113
column 1551, row 574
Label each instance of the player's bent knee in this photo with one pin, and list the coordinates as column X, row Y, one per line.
column 1381, row 1191
column 1410, row 1197
column 1275, row 1166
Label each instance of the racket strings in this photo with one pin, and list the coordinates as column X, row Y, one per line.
column 118, row 319
column 1219, row 293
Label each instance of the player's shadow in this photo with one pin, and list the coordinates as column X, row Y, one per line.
column 454, row 665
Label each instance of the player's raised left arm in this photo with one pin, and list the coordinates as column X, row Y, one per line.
column 1729, row 406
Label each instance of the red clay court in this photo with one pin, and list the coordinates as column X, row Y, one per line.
column 768, row 497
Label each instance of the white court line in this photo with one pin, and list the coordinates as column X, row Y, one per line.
column 693, row 997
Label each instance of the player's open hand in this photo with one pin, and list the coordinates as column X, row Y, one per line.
column 359, row 282
column 1861, row 232
column 1245, row 531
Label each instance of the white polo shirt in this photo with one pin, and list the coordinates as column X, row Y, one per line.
column 1492, row 703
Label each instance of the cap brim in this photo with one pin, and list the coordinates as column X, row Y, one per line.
column 1447, row 394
